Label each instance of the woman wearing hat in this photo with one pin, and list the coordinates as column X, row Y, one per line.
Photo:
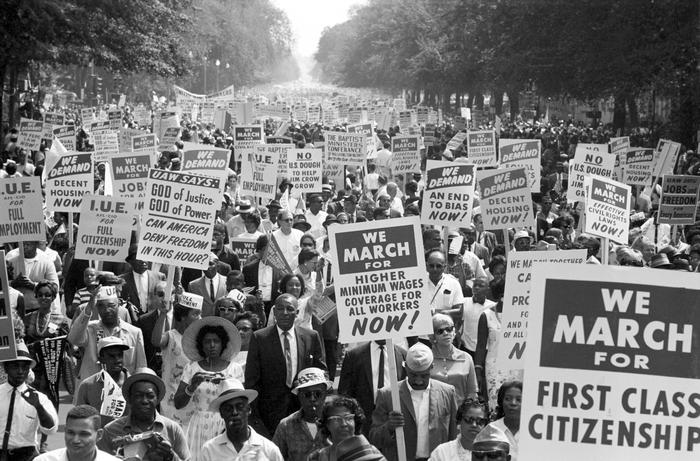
column 211, row 343
column 341, row 419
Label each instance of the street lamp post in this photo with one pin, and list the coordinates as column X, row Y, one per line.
column 218, row 63
column 205, row 75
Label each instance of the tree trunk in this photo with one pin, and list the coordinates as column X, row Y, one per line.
column 633, row 109
column 619, row 113
column 514, row 99
column 479, row 100
column 497, row 103
column 2, row 94
column 13, row 96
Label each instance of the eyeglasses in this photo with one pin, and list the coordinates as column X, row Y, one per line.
column 449, row 329
column 347, row 419
column 491, row 454
column 314, row 395
column 436, row 266
column 474, row 420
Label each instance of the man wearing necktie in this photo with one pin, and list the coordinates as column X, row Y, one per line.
column 210, row 286
column 23, row 410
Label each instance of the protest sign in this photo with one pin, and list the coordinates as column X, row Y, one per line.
column 278, row 140
column 99, row 126
column 113, row 402
column 607, row 209
column 130, row 174
column 87, row 115
column 305, row 169
column 7, row 328
column 505, row 199
column 245, row 138
column 49, row 352
column 144, row 143
column 30, row 134
column 588, row 159
column 665, row 156
column 273, row 256
column 379, row 268
column 106, row 145
column 449, row 194
column 259, row 173
column 204, row 159
column 481, row 148
column 611, row 364
column 516, row 305
column 345, row 148
column 422, row 115
column 406, row 118
column 105, row 228
column 243, row 247
column 142, row 116
column 66, row 134
column 52, row 120
column 21, row 217
column 405, row 155
column 68, row 180
column 170, row 136
column 178, row 219
column 619, row 144
column 456, row 140
column 115, row 119
column 523, row 153
column 638, row 167
column 679, row 199
column 165, row 120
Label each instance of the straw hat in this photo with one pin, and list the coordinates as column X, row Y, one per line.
column 189, row 338
column 231, row 389
column 144, row 374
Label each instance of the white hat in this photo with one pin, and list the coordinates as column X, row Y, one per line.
column 111, row 341
column 230, row 389
column 522, row 234
column 419, row 357
column 23, row 355
column 491, row 436
column 106, row 292
column 191, row 301
column 310, row 377
column 189, row 338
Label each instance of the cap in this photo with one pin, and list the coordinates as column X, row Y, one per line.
column 521, row 234
column 111, row 341
column 244, row 206
column 419, row 357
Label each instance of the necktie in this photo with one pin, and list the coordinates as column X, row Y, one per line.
column 288, row 359
column 8, row 426
column 329, row 274
column 380, row 379
column 211, row 289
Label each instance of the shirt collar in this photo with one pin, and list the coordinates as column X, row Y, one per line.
column 280, row 332
column 158, row 423
column 414, row 390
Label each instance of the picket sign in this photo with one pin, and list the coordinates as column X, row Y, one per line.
column 395, row 401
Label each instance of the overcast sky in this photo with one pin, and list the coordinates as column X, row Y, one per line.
column 308, row 18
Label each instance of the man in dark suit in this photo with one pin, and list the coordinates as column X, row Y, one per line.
column 364, row 372
column 255, row 270
column 483, row 237
column 275, row 355
column 350, row 207
column 140, row 282
column 218, row 247
column 210, row 286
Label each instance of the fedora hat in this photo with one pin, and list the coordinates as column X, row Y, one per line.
column 144, row 374
column 232, row 388
column 189, row 338
column 23, row 355
column 244, row 206
column 357, row 448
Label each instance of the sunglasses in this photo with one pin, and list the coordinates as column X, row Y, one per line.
column 474, row 420
column 492, row 454
column 449, row 329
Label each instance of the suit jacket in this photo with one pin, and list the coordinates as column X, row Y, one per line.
column 146, row 323
column 490, row 241
column 131, row 294
column 356, row 377
column 225, row 255
column 481, row 252
column 266, row 371
column 360, row 216
column 442, row 426
column 201, row 287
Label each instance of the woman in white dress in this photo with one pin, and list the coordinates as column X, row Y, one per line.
column 211, row 343
column 488, row 337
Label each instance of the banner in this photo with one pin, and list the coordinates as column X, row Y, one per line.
column 245, row 138
column 665, row 156
column 524, row 153
column 243, row 247
column 7, row 330
column 106, row 145
column 113, row 402
column 305, row 169
column 405, row 155
column 505, row 199
column 259, row 173
column 66, row 134
column 345, row 148
column 379, row 268
column 638, row 167
column 607, row 209
column 679, row 199
column 21, row 216
column 612, row 370
column 481, row 148
column 273, row 256
column 205, row 159
column 30, row 134
column 589, row 159
column 448, row 195
column 49, row 353
column 52, row 120
column 68, row 180
column 178, row 219
column 105, row 228
column 516, row 305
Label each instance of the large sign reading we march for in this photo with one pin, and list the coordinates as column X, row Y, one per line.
column 105, row 228
column 505, row 199
column 379, row 269
column 178, row 218
column 449, row 194
column 481, row 148
column 611, row 370
column 405, row 155
column 21, row 217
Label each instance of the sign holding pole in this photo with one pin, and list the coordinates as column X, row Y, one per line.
column 8, row 350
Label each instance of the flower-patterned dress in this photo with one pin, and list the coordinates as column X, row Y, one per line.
column 174, row 363
column 204, row 424
column 494, row 377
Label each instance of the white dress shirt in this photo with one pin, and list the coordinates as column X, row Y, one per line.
column 25, row 418
column 421, row 406
column 61, row 455
column 141, row 282
column 374, row 355
column 256, row 447
column 444, row 294
column 472, row 312
column 292, row 348
column 289, row 244
column 265, row 281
